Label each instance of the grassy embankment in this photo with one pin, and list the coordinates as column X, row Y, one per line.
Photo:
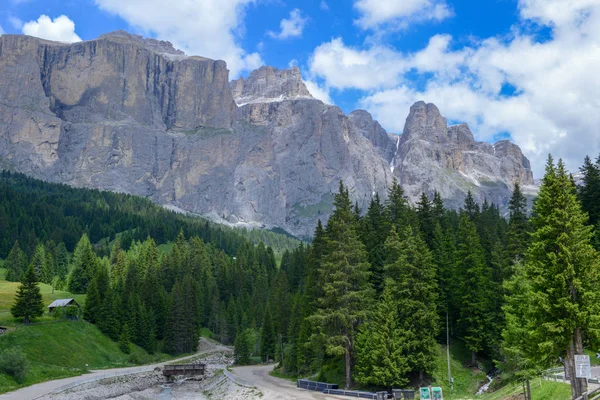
column 541, row 389
column 60, row 349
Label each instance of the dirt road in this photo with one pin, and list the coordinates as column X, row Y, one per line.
column 276, row 388
column 44, row 388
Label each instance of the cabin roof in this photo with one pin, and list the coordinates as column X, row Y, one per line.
column 62, row 303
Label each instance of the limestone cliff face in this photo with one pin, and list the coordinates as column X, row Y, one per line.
column 433, row 156
column 135, row 115
column 269, row 84
column 385, row 144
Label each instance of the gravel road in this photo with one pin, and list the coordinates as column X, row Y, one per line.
column 45, row 388
column 276, row 388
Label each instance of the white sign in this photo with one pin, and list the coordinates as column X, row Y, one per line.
column 582, row 366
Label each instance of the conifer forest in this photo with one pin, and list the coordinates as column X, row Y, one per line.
column 371, row 292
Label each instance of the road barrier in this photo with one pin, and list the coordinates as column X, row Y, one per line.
column 313, row 385
column 352, row 393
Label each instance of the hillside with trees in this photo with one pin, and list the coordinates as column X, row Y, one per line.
column 368, row 298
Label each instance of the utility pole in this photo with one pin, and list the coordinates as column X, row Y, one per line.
column 281, row 347
column 448, row 352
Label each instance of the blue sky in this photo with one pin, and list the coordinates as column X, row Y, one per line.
column 519, row 69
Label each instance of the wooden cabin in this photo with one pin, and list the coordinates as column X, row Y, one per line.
column 62, row 303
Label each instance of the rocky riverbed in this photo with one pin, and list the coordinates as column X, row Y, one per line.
column 153, row 385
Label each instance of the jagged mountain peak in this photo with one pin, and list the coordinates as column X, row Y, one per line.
column 124, row 113
column 162, row 47
column 267, row 84
column 424, row 121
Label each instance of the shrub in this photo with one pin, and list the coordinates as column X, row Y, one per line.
column 124, row 342
column 14, row 363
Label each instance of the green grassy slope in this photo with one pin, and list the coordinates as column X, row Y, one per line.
column 7, row 295
column 67, row 348
column 59, row 349
column 541, row 389
column 466, row 380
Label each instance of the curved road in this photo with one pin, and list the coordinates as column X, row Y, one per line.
column 277, row 388
column 44, row 388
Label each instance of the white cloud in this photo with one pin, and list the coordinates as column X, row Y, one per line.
column 345, row 67
column 209, row 28
column 399, row 14
column 324, row 6
column 60, row 29
column 1, row 30
column 318, row 92
column 555, row 107
column 290, row 27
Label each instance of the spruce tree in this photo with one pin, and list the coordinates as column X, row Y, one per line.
column 589, row 191
column 38, row 261
column 426, row 216
column 84, row 266
column 109, row 320
column 28, row 300
column 471, row 208
column 268, row 342
column 517, row 348
column 124, row 345
column 444, row 251
column 382, row 346
column 397, row 209
column 413, row 278
column 344, row 283
column 518, row 225
column 374, row 228
column 563, row 273
column 95, row 295
column 14, row 264
column 474, row 294
column 241, row 350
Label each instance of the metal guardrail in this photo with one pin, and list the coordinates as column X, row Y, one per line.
column 314, row 385
column 352, row 393
column 586, row 396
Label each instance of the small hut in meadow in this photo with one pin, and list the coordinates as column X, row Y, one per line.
column 62, row 303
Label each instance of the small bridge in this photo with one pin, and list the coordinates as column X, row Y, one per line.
column 184, row 369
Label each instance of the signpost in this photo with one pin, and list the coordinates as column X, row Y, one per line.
column 437, row 393
column 425, row 393
column 582, row 366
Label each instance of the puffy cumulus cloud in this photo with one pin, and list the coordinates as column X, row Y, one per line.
column 318, row 92
column 209, row 28
column 60, row 29
column 344, row 67
column 397, row 14
column 379, row 66
column 544, row 93
column 290, row 27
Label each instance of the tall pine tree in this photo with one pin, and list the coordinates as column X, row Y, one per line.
column 413, row 277
column 474, row 294
column 14, row 264
column 382, row 346
column 28, row 300
column 344, row 283
column 563, row 273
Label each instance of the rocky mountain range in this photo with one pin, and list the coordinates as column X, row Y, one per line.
column 135, row 115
